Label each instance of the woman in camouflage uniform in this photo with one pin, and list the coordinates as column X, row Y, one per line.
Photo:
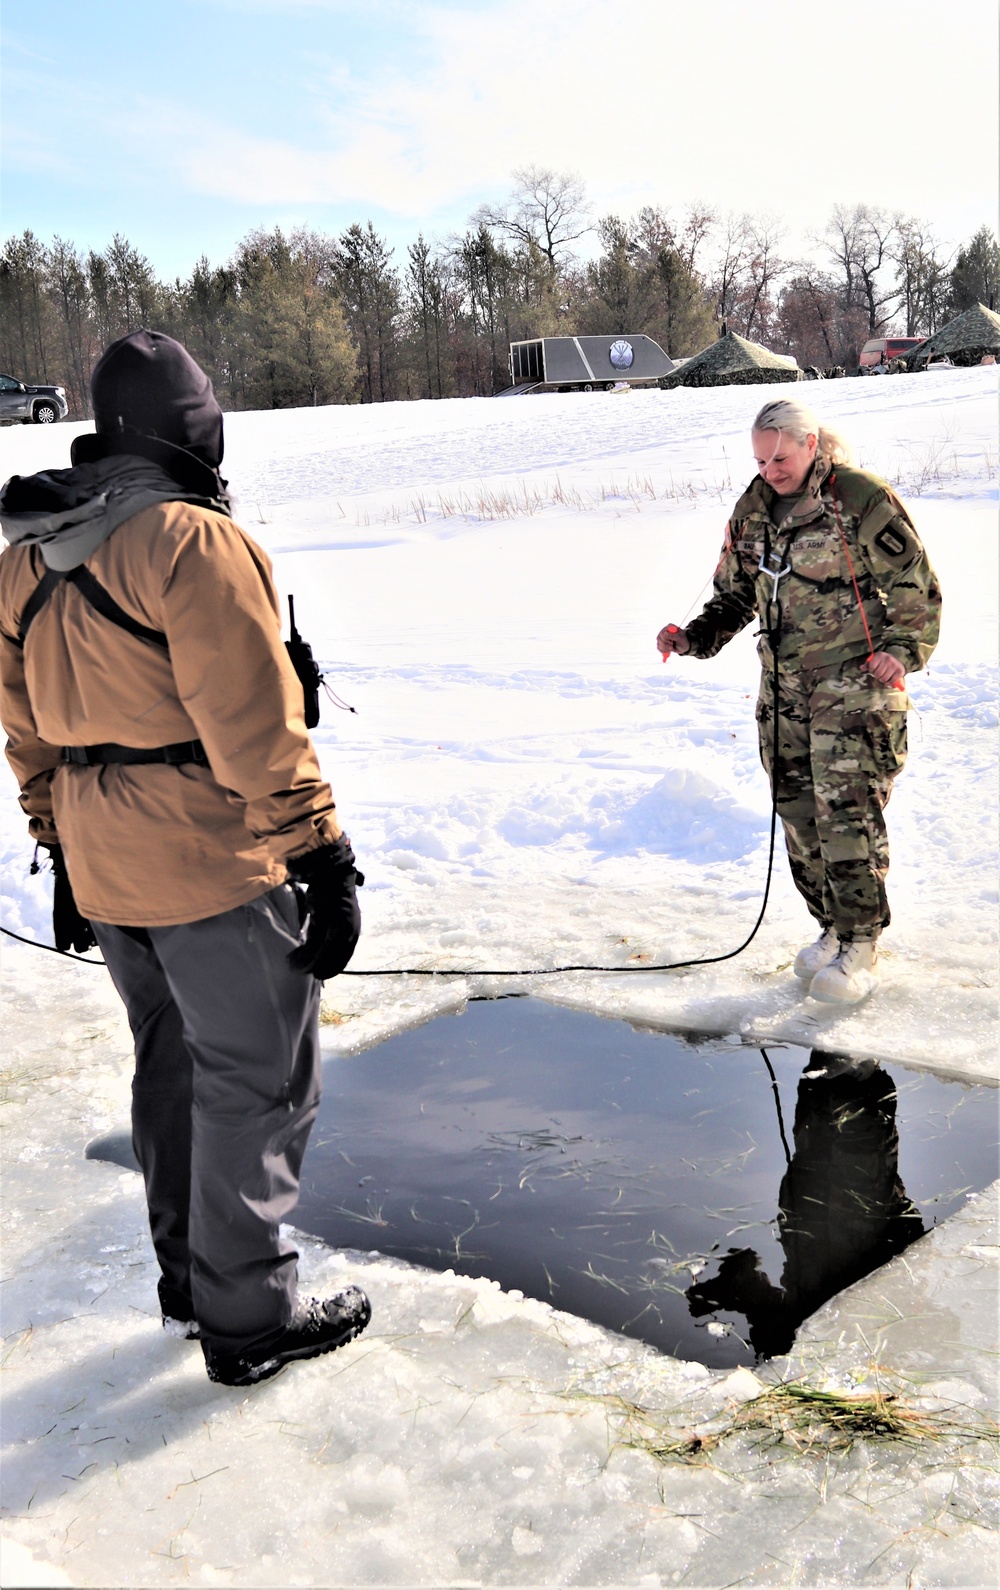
column 826, row 557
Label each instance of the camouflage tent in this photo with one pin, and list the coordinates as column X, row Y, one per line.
column 965, row 339
column 732, row 361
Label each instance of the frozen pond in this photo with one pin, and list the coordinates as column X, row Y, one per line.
column 705, row 1197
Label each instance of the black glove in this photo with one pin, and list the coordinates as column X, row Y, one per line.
column 334, row 925
column 71, row 930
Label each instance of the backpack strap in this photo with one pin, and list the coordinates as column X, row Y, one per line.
column 93, row 592
column 37, row 600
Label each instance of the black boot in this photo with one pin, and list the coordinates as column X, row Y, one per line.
column 318, row 1325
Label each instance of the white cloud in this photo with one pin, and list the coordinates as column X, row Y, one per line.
column 755, row 107
column 783, row 107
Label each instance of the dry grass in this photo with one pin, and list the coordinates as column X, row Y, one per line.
column 493, row 504
column 938, row 461
column 328, row 1017
column 793, row 1415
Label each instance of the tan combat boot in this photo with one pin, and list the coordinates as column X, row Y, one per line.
column 849, row 978
column 814, row 957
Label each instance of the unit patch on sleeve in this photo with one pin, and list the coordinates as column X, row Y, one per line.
column 891, row 542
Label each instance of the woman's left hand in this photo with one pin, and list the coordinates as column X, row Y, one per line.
column 888, row 670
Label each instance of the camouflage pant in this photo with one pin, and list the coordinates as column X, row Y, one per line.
column 841, row 742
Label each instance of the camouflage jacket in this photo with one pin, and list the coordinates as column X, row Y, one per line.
column 821, row 625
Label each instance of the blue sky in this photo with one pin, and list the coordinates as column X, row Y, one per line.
column 184, row 123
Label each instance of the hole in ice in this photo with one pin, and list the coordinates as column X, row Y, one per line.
column 702, row 1197
column 637, row 1178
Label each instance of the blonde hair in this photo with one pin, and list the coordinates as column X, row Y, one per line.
column 799, row 421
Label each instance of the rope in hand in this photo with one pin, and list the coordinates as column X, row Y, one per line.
column 36, row 944
column 727, row 547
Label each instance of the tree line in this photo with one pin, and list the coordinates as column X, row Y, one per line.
column 301, row 318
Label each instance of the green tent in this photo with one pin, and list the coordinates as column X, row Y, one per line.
column 732, row 361
column 965, row 339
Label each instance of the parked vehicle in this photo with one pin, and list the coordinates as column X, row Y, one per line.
column 584, row 364
column 38, row 405
column 878, row 351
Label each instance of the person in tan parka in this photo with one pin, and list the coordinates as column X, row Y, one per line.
column 155, row 726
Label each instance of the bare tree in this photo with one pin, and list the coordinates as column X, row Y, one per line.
column 763, row 267
column 547, row 211
column 861, row 241
column 699, row 224
column 921, row 277
column 815, row 324
column 808, row 314
column 735, row 246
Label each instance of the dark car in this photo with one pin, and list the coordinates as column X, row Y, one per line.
column 42, row 405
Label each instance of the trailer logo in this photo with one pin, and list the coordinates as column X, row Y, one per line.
column 621, row 354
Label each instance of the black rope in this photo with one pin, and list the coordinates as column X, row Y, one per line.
column 772, row 628
column 36, row 944
column 777, row 1103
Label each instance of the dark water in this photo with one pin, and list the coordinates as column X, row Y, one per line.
column 702, row 1197
column 596, row 1167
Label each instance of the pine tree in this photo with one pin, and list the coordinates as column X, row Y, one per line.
column 975, row 275
column 370, row 291
column 25, row 331
column 426, row 303
column 75, row 349
column 290, row 334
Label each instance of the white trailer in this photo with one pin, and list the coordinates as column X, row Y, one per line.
column 584, row 364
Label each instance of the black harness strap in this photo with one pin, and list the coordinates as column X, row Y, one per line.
column 300, row 652
column 37, row 600
column 93, row 592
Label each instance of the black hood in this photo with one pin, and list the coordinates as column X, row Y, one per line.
column 196, row 478
column 147, row 384
column 69, row 513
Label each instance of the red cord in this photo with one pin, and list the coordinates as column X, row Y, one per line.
column 726, row 549
column 897, row 683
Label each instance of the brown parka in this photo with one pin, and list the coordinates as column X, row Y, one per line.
column 155, row 845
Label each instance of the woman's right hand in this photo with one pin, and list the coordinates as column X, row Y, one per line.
column 671, row 638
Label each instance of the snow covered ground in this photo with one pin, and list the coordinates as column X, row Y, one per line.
column 469, row 1437
column 524, row 782
column 525, row 785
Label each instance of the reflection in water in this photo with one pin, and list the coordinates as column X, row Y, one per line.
column 604, row 1169
column 842, row 1208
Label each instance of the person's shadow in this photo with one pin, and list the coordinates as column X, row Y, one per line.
column 842, row 1209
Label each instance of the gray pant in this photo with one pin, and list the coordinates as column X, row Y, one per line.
column 226, row 1088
